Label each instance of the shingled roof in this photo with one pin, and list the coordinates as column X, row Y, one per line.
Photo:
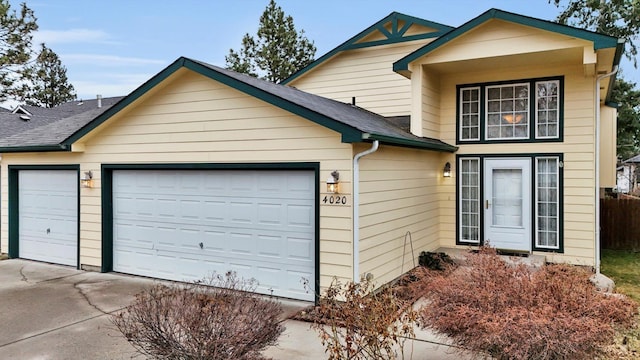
column 38, row 126
column 353, row 123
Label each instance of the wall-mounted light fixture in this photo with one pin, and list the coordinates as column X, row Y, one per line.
column 333, row 181
column 446, row 172
column 86, row 180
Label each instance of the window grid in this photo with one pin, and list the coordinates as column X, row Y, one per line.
column 470, row 200
column 507, row 111
column 470, row 113
column 547, row 203
column 547, row 109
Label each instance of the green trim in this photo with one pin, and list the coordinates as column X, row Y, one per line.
column 533, row 157
column 36, row 148
column 416, row 144
column 14, row 202
column 135, row 95
column 396, row 36
column 107, row 199
column 392, row 41
column 349, row 134
column 600, row 41
column 532, row 101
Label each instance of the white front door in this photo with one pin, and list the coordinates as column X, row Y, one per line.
column 507, row 204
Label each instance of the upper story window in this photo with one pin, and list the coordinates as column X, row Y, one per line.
column 526, row 110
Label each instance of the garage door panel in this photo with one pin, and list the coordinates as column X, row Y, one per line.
column 246, row 221
column 48, row 215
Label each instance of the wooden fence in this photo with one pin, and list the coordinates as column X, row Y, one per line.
column 620, row 224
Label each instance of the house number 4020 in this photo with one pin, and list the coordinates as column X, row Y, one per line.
column 334, row 200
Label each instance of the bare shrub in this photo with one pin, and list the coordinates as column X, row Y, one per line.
column 219, row 318
column 513, row 312
column 356, row 322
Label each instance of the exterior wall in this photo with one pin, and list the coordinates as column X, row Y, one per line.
column 498, row 38
column 578, row 150
column 197, row 120
column 398, row 194
column 368, row 75
column 608, row 158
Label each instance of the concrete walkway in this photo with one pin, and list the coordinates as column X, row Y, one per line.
column 52, row 312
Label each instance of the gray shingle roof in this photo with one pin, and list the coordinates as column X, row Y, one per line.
column 16, row 131
column 356, row 117
column 57, row 128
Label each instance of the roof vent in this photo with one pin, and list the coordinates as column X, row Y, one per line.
column 80, row 102
column 99, row 97
column 25, row 117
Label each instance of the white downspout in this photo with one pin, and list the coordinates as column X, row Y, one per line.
column 356, row 209
column 597, row 164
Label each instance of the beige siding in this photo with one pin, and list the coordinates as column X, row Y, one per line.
column 194, row 120
column 368, row 75
column 399, row 194
column 578, row 149
column 608, row 158
column 498, row 38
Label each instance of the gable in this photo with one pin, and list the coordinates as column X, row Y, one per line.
column 394, row 28
column 565, row 36
column 198, row 115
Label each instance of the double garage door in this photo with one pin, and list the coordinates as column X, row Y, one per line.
column 186, row 224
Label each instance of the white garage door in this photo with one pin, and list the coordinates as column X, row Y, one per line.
column 184, row 225
column 48, row 215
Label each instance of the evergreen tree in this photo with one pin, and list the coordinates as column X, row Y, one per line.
column 277, row 52
column 47, row 84
column 619, row 18
column 627, row 96
column 16, row 33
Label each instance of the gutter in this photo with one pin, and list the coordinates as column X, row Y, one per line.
column 597, row 163
column 356, row 209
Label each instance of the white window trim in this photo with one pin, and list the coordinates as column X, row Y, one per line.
column 536, row 219
column 486, row 112
column 460, row 103
column 459, row 209
column 535, row 133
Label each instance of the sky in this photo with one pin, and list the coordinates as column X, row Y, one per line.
column 112, row 47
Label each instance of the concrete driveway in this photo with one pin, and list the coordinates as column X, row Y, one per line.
column 56, row 312
column 51, row 312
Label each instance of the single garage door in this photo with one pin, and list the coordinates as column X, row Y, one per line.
column 186, row 224
column 48, row 215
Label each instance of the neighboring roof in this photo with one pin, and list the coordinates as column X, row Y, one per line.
column 47, row 128
column 353, row 123
column 396, row 35
column 635, row 159
column 600, row 41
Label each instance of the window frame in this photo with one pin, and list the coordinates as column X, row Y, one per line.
column 533, row 193
column 532, row 112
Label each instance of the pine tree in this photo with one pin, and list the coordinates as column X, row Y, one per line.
column 619, row 18
column 277, row 52
column 16, row 33
column 47, row 84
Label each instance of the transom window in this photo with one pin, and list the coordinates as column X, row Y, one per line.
column 528, row 110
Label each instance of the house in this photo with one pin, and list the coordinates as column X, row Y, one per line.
column 410, row 136
column 628, row 175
